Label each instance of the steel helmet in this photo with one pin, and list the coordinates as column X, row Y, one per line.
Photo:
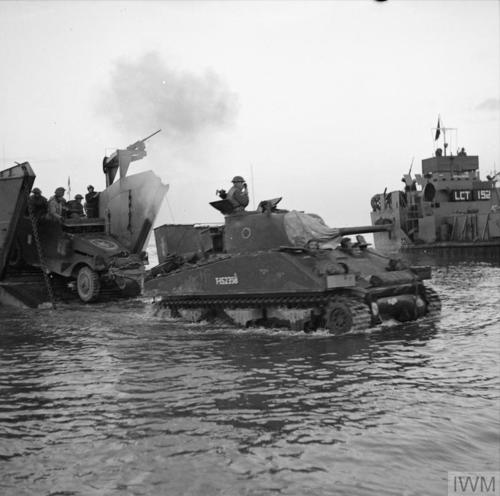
column 78, row 197
column 36, row 190
column 60, row 190
column 238, row 179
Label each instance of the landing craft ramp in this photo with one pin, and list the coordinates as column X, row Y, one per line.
column 15, row 185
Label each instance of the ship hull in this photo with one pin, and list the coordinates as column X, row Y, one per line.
column 447, row 211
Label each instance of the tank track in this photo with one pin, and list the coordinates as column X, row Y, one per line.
column 360, row 311
column 298, row 300
column 433, row 302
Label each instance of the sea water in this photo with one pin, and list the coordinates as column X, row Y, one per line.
column 113, row 400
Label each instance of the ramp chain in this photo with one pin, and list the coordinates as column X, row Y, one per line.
column 39, row 250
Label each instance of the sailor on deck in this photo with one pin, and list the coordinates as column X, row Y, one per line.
column 92, row 202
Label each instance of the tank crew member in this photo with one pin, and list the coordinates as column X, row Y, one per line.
column 75, row 208
column 37, row 203
column 92, row 202
column 462, row 153
column 237, row 195
column 439, row 152
column 57, row 204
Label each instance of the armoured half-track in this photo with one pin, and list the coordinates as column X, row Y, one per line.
column 279, row 268
column 97, row 256
column 80, row 251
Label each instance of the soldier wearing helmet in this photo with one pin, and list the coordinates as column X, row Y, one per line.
column 37, row 203
column 92, row 202
column 57, row 204
column 75, row 208
column 237, row 195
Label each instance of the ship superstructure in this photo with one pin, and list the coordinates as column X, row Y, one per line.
column 447, row 206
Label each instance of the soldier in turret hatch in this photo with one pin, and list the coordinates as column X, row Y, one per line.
column 237, row 195
column 57, row 204
column 462, row 153
column 92, row 202
column 37, row 203
column 75, row 208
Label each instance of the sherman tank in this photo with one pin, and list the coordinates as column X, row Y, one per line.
column 274, row 267
column 95, row 256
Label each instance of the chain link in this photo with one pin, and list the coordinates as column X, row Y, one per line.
column 38, row 244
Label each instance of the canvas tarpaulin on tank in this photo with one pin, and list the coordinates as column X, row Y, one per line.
column 301, row 228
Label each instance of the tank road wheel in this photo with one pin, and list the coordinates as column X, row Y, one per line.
column 88, row 284
column 344, row 314
column 433, row 302
column 338, row 317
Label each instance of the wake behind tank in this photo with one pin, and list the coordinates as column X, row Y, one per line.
column 276, row 267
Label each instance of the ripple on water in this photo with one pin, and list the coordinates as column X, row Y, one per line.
column 110, row 399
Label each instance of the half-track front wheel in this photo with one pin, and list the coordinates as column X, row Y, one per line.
column 88, row 284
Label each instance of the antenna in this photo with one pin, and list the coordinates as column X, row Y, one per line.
column 170, row 209
column 253, row 189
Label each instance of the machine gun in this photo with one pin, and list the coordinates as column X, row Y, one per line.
column 121, row 159
column 139, row 145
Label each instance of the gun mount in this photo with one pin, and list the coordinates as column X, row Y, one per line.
column 120, row 159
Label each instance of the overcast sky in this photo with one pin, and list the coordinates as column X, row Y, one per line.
column 324, row 104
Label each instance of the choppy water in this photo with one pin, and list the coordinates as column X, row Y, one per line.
column 106, row 400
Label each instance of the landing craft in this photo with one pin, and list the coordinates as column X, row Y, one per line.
column 447, row 209
column 283, row 268
column 96, row 257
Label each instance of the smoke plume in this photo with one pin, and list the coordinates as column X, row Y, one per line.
column 146, row 94
column 490, row 104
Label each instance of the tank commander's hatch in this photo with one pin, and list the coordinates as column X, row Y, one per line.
column 269, row 205
column 223, row 206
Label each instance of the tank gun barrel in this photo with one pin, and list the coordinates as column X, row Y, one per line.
column 345, row 231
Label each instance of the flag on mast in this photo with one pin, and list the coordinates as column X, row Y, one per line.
column 438, row 129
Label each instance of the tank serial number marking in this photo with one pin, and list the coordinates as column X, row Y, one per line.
column 227, row 280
